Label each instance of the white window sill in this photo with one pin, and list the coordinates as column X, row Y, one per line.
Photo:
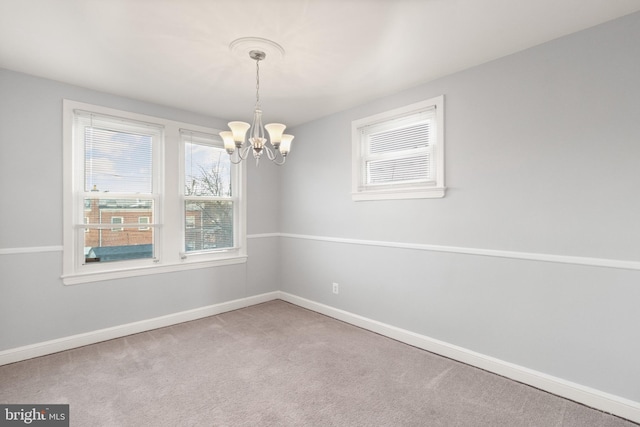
column 78, row 278
column 395, row 194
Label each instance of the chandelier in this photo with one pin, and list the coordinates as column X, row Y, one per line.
column 236, row 143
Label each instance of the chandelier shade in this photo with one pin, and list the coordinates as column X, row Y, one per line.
column 277, row 145
column 275, row 133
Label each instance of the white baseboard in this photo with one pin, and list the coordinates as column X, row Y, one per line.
column 588, row 396
column 74, row 341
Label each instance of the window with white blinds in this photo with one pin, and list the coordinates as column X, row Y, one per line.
column 400, row 153
column 123, row 174
column 119, row 185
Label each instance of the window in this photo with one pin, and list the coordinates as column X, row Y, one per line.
column 209, row 199
column 399, row 154
column 143, row 220
column 117, row 220
column 127, row 169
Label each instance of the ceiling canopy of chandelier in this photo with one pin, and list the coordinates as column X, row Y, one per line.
column 236, row 143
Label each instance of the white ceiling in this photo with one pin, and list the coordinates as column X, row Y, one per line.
column 339, row 53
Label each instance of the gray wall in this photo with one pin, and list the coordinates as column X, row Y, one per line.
column 34, row 304
column 542, row 153
column 542, row 156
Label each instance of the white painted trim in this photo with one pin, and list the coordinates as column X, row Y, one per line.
column 76, row 279
column 263, row 235
column 30, row 250
column 562, row 259
column 399, row 194
column 588, row 396
column 74, row 341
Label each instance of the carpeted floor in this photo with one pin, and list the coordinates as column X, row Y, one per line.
column 276, row 364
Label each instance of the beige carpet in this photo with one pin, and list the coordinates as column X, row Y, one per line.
column 276, row 364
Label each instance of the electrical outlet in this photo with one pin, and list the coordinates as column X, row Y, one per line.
column 335, row 288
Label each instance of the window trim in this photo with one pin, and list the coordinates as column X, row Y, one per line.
column 431, row 189
column 169, row 221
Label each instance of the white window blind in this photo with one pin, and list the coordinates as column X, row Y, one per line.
column 399, row 152
column 118, row 153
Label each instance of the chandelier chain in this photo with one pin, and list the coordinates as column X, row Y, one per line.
column 257, row 83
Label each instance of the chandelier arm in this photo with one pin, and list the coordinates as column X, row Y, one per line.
column 233, row 155
column 284, row 159
column 270, row 153
column 238, row 154
column 245, row 150
column 235, row 163
column 273, row 156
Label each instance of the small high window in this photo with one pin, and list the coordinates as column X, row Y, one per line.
column 399, row 154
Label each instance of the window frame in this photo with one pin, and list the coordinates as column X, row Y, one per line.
column 167, row 199
column 434, row 188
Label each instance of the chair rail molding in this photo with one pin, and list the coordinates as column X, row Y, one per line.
column 530, row 256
